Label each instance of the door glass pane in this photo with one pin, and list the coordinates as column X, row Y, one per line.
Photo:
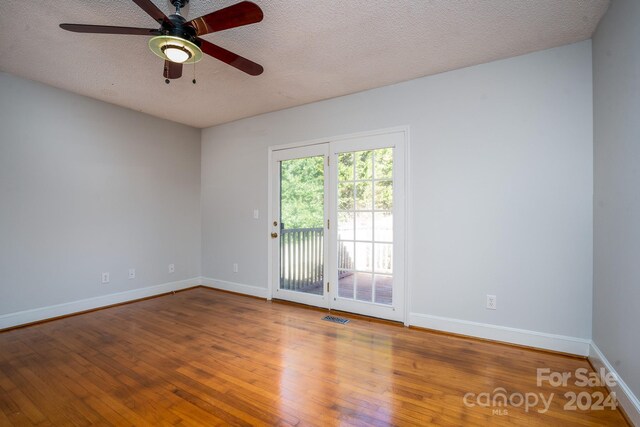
column 302, row 225
column 364, row 192
column 364, row 164
column 364, row 287
column 382, row 288
column 345, row 226
column 383, row 257
column 383, row 163
column 383, row 199
column 345, row 256
column 364, row 256
column 346, row 284
column 365, row 226
column 345, row 196
column 384, row 226
column 345, row 167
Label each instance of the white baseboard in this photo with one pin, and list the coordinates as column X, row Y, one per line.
column 37, row 314
column 234, row 287
column 506, row 334
column 625, row 396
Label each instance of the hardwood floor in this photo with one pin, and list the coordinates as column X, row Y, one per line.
column 203, row 357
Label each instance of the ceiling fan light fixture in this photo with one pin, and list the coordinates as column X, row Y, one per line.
column 175, row 49
column 176, row 53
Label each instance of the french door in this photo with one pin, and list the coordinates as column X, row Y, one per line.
column 299, row 223
column 338, row 225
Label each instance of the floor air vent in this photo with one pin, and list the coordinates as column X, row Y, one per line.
column 335, row 319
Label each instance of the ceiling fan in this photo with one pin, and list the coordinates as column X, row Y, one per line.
column 178, row 41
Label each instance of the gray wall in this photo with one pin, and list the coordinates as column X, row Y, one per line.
column 616, row 74
column 87, row 187
column 501, row 187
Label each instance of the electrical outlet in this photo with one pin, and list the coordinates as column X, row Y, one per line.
column 132, row 273
column 105, row 277
column 235, row 267
column 491, row 302
column 172, row 268
column 256, row 214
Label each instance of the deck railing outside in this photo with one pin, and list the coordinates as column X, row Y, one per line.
column 301, row 258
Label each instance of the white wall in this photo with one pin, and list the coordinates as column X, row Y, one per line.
column 501, row 188
column 616, row 72
column 87, row 187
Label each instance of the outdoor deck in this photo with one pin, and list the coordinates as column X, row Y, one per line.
column 302, row 266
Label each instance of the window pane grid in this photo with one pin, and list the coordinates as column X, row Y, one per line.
column 365, row 227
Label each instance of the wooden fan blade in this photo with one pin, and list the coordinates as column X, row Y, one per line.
column 153, row 11
column 172, row 70
column 237, row 15
column 107, row 29
column 231, row 58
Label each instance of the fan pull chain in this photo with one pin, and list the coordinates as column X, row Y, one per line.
column 194, row 74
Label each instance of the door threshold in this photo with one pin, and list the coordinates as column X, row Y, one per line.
column 351, row 316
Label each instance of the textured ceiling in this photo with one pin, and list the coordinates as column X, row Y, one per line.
column 310, row 49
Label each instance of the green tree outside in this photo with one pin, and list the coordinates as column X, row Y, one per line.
column 302, row 185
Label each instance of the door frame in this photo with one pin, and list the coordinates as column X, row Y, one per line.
column 406, row 211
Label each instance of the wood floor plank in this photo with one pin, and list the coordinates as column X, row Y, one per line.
column 203, row 357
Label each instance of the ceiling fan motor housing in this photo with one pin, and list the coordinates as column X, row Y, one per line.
column 179, row 29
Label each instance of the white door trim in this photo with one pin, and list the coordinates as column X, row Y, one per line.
column 407, row 201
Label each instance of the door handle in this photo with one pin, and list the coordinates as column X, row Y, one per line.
column 274, row 235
